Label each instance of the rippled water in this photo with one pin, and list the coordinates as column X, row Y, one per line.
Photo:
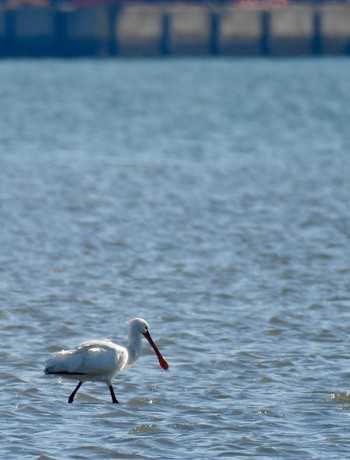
column 210, row 197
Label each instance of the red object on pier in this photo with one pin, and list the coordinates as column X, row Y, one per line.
column 94, row 3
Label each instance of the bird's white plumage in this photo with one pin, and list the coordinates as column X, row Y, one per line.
column 92, row 360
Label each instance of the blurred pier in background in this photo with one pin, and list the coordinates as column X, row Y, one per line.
column 103, row 29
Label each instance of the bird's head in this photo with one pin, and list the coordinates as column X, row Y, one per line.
column 139, row 325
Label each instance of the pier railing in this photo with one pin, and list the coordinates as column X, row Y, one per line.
column 130, row 28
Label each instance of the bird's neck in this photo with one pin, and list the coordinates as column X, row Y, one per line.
column 134, row 347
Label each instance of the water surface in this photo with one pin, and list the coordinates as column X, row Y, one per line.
column 210, row 197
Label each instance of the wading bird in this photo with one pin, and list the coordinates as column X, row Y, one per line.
column 101, row 360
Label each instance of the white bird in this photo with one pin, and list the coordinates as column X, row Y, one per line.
column 101, row 360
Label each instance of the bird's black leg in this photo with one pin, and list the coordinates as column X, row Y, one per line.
column 71, row 397
column 114, row 399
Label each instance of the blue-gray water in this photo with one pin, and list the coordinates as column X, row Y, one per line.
column 210, row 197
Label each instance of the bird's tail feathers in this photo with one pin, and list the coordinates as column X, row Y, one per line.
column 60, row 363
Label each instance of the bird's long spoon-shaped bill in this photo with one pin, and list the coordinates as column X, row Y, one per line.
column 161, row 360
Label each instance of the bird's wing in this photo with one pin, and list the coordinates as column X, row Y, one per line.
column 95, row 357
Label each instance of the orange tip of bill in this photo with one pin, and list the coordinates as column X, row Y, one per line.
column 163, row 364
